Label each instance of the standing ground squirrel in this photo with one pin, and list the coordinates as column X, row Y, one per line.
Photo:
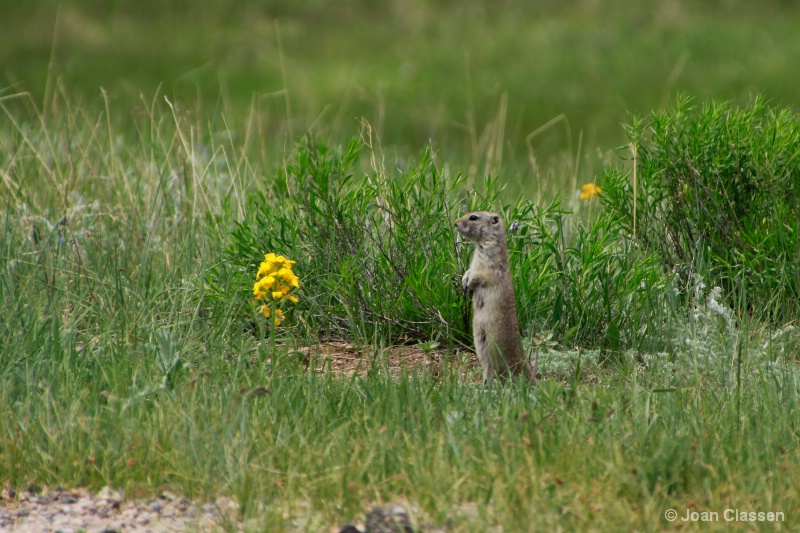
column 488, row 280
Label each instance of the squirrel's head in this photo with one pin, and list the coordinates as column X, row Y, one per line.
column 481, row 226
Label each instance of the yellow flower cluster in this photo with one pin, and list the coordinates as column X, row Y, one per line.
column 274, row 281
column 589, row 191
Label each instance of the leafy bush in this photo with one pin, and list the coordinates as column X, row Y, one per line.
column 375, row 255
column 717, row 195
column 584, row 284
column 378, row 256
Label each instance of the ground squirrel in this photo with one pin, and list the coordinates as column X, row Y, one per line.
column 488, row 281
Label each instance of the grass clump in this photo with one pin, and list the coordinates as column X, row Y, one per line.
column 716, row 194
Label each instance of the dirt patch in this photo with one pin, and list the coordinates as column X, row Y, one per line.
column 347, row 359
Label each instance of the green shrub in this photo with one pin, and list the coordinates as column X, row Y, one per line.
column 378, row 257
column 717, row 195
column 375, row 255
column 585, row 284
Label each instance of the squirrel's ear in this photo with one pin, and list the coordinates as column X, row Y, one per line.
column 495, row 219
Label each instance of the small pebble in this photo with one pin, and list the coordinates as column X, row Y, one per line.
column 167, row 496
column 389, row 519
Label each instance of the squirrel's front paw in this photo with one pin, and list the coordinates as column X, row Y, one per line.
column 465, row 283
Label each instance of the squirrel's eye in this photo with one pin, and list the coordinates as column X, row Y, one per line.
column 473, row 217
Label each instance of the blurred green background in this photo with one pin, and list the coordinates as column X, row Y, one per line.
column 468, row 76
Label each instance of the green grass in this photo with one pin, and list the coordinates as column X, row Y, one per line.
column 121, row 367
column 610, row 456
column 477, row 80
column 132, row 225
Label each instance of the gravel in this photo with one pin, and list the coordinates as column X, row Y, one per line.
column 44, row 510
column 39, row 509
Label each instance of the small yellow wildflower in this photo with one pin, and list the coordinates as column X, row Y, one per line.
column 262, row 286
column 285, row 274
column 278, row 314
column 264, row 269
column 589, row 191
column 274, row 282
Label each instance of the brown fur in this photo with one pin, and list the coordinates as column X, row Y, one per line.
column 495, row 327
